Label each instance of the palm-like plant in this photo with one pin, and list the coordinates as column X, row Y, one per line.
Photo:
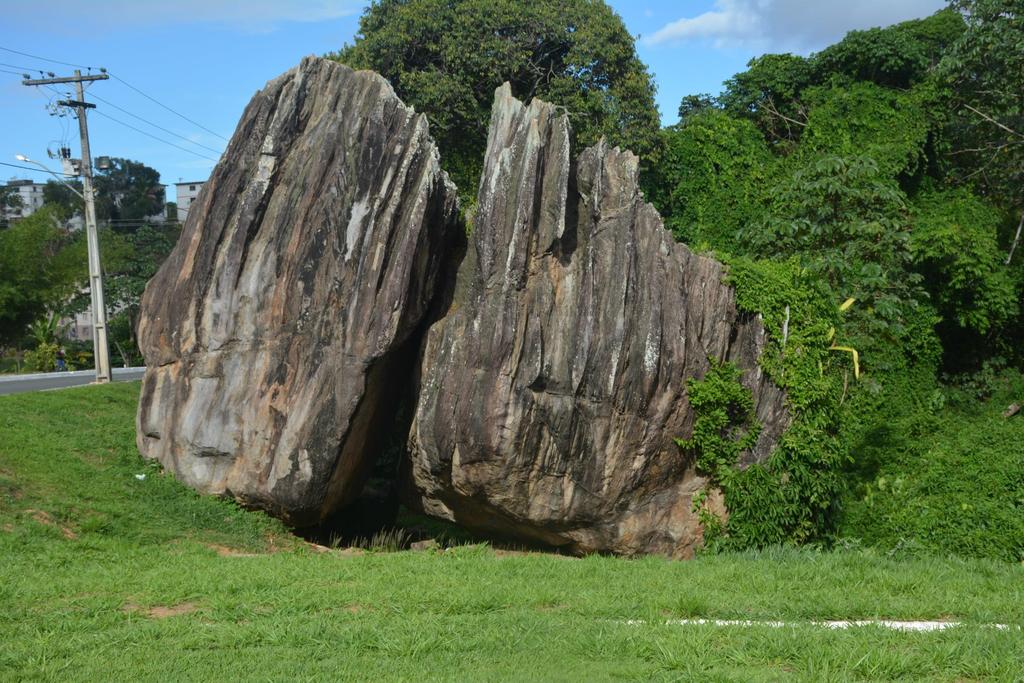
column 48, row 330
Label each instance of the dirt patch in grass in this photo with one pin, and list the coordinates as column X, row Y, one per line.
column 45, row 519
column 225, row 551
column 510, row 552
column 95, row 459
column 356, row 608
column 162, row 611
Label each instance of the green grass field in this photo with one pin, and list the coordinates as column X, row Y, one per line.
column 105, row 576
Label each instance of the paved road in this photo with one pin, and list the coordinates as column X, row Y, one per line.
column 15, row 384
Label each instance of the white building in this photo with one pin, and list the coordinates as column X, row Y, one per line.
column 186, row 194
column 31, row 194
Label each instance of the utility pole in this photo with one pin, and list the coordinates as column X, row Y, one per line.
column 101, row 349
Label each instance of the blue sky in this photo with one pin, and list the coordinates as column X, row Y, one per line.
column 205, row 58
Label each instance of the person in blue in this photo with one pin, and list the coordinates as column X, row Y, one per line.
column 61, row 364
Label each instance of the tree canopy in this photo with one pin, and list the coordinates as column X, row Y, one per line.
column 37, row 272
column 446, row 58
column 127, row 194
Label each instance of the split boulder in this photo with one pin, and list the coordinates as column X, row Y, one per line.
column 277, row 330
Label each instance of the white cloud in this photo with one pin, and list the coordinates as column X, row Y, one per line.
column 796, row 25
column 247, row 15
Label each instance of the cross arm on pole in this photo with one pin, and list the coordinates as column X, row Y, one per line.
column 64, row 79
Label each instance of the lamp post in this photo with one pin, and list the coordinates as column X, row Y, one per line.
column 101, row 350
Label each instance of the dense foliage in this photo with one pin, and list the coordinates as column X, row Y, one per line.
column 446, row 57
column 887, row 168
column 128, row 193
column 44, row 272
column 37, row 271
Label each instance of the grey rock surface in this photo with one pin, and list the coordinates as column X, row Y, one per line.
column 552, row 387
column 275, row 330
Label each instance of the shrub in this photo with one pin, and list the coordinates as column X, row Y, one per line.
column 42, row 359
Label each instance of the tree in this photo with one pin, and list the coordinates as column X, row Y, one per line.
column 37, row 272
column 849, row 223
column 130, row 259
column 128, row 191
column 773, row 90
column 126, row 194
column 9, row 199
column 955, row 247
column 62, row 200
column 898, row 56
column 768, row 92
column 891, row 126
column 985, row 69
column 446, row 57
column 712, row 179
column 693, row 105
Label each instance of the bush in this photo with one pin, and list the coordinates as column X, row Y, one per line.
column 788, row 498
column 947, row 474
column 42, row 359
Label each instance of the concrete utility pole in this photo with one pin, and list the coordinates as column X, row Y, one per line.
column 101, row 349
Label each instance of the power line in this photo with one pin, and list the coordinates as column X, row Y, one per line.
column 159, row 139
column 23, row 68
column 149, row 97
column 171, row 132
column 46, row 59
column 35, row 170
column 194, row 123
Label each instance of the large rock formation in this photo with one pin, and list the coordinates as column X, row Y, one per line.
column 273, row 331
column 551, row 390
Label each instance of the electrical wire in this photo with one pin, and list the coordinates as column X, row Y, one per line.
column 159, row 139
column 194, row 123
column 46, row 59
column 36, row 170
column 23, row 68
column 149, row 97
column 170, row 132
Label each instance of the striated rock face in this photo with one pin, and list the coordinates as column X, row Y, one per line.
column 274, row 331
column 551, row 390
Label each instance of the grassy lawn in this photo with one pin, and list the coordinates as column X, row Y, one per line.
column 107, row 576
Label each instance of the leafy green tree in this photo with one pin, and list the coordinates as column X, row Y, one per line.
column 9, row 199
column 891, row 126
column 773, row 90
column 768, row 92
column 712, row 179
column 693, row 105
column 849, row 222
column 446, row 57
column 127, row 194
column 898, row 56
column 62, row 200
column 129, row 191
column 955, row 247
column 37, row 272
column 47, row 330
column 985, row 69
column 130, row 259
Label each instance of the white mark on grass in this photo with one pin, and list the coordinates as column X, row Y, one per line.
column 835, row 625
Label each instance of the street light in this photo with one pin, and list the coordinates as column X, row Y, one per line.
column 25, row 159
column 101, row 351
